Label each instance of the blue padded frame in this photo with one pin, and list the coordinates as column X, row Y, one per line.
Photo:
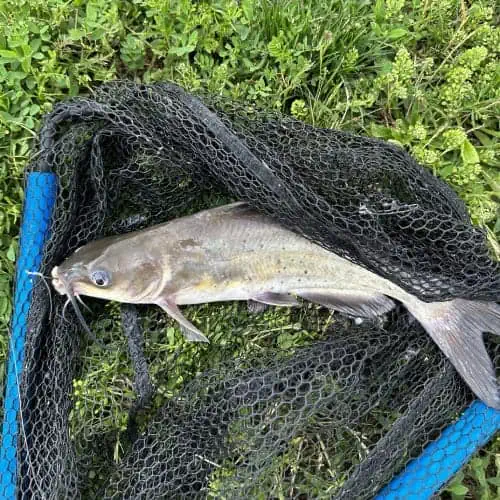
column 40, row 196
column 442, row 459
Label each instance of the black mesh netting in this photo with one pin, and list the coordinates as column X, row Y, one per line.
column 336, row 417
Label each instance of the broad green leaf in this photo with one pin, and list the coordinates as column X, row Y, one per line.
column 494, row 133
column 379, row 11
column 27, row 50
column 484, row 139
column 181, row 51
column 381, row 131
column 377, row 30
column 9, row 54
column 193, row 38
column 243, row 31
column 458, row 489
column 30, row 82
column 11, row 252
column 469, row 153
column 91, row 12
column 397, row 33
column 4, row 305
column 286, row 340
column 479, row 465
column 247, row 8
column 29, row 123
column 171, row 335
column 33, row 27
column 17, row 75
column 26, row 64
column 385, row 66
column 34, row 109
column 76, row 34
column 446, row 171
column 7, row 117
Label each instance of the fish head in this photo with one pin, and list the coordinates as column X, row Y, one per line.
column 111, row 269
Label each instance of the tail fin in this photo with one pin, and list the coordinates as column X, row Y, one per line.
column 457, row 327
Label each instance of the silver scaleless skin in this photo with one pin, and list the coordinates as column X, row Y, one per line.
column 234, row 253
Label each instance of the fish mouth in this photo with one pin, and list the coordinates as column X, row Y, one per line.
column 63, row 282
column 57, row 282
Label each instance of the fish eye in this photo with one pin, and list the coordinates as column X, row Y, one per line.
column 100, row 278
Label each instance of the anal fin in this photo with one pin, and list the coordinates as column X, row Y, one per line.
column 276, row 299
column 255, row 307
column 354, row 303
column 189, row 331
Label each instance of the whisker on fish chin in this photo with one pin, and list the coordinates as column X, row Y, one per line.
column 82, row 302
column 36, row 273
column 72, row 300
column 44, row 279
column 64, row 308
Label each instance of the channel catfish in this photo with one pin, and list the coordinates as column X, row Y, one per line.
column 234, row 253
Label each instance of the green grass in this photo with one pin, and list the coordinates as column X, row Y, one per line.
column 422, row 74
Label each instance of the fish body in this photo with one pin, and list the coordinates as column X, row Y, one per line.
column 234, row 253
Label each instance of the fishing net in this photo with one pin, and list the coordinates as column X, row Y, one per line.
column 314, row 404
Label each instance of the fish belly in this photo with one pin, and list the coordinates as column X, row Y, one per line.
column 250, row 275
column 240, row 256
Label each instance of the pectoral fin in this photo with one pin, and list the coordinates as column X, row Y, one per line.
column 276, row 299
column 190, row 332
column 361, row 304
